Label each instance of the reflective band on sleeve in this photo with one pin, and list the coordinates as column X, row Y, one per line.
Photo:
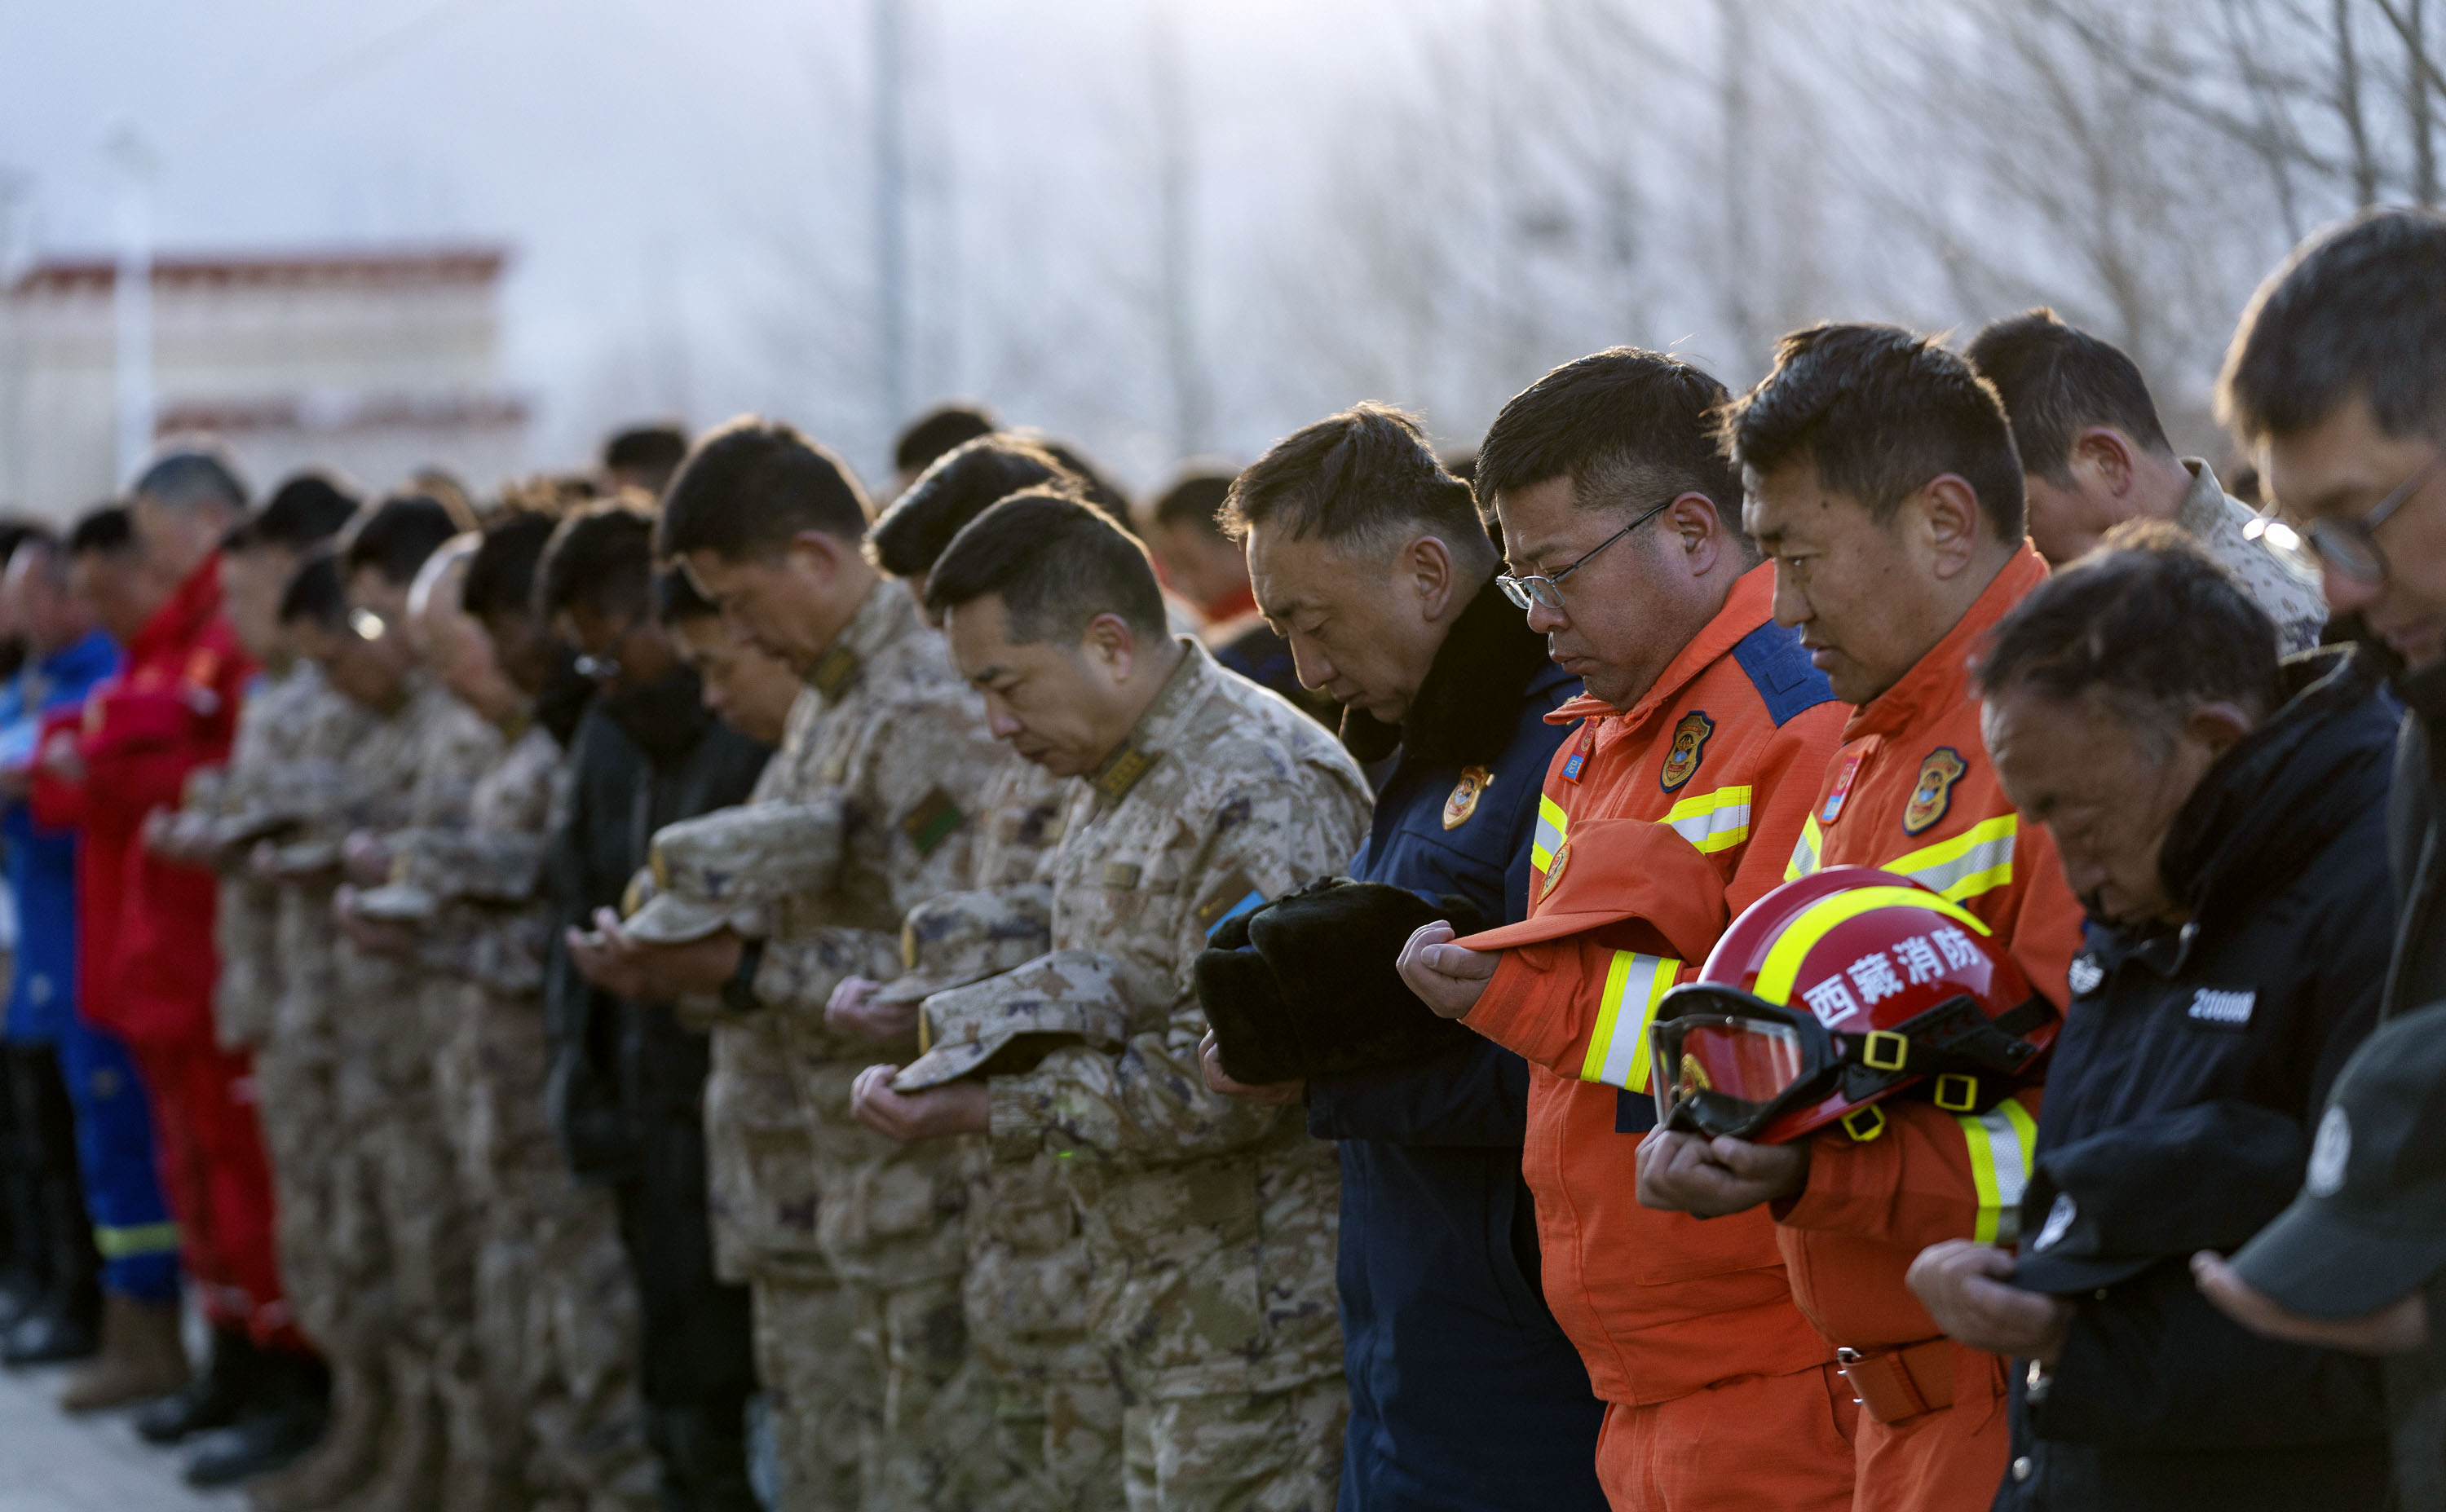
column 135, row 1239
column 1552, row 824
column 1804, row 856
column 1618, row 1051
column 1713, row 821
column 1978, row 859
column 2001, row 1142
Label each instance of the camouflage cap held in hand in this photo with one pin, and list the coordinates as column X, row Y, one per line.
column 964, row 937
column 706, row 870
column 1016, row 1018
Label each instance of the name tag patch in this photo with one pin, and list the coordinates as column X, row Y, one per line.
column 2227, row 1010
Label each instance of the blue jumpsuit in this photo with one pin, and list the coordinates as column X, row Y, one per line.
column 114, row 1126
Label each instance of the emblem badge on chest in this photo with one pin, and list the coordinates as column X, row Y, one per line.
column 1932, row 794
column 1465, row 794
column 1689, row 747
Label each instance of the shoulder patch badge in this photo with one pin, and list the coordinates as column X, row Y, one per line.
column 1689, row 747
column 932, row 821
column 1554, row 871
column 1465, row 794
column 1932, row 794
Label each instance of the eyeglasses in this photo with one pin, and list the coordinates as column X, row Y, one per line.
column 1546, row 592
column 599, row 668
column 2349, row 548
column 366, row 624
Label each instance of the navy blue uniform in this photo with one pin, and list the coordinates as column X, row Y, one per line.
column 1464, row 1393
column 2158, row 1400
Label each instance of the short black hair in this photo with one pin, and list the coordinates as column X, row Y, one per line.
column 2358, row 308
column 395, row 536
column 1194, row 498
column 500, row 576
column 676, row 600
column 603, row 557
column 105, row 530
column 934, row 433
column 2056, row 381
column 1056, row 562
column 194, row 472
column 1630, row 428
column 316, row 592
column 654, row 451
column 1359, row 476
column 307, row 508
column 753, row 484
column 1881, row 410
column 2145, row 623
column 1095, row 487
column 954, row 490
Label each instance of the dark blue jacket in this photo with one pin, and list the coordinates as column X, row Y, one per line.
column 1464, row 1393
column 41, row 861
column 2158, row 1401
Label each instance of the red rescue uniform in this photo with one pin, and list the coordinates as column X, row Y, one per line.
column 1913, row 792
column 1719, row 1393
column 149, row 965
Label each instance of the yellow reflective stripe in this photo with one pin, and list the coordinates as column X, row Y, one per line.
column 2001, row 1142
column 1801, row 936
column 1978, row 859
column 1552, row 824
column 1713, row 821
column 1804, row 856
column 1618, row 1051
column 135, row 1239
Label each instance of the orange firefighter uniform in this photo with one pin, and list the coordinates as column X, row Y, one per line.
column 1913, row 792
column 1676, row 814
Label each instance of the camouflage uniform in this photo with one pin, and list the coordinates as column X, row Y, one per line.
column 902, row 743
column 1057, row 1413
column 544, row 1390
column 403, row 1223
column 1209, row 1222
column 2286, row 589
column 761, row 1174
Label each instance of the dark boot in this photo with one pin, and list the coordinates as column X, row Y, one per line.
column 54, row 1332
column 212, row 1399
column 283, row 1418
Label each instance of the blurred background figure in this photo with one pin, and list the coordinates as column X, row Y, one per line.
column 1183, row 532
column 643, row 457
column 932, row 434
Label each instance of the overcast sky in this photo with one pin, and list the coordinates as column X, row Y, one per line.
column 668, row 175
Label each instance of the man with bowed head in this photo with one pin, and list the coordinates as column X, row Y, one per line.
column 1371, row 562
column 1209, row 1220
column 1668, row 810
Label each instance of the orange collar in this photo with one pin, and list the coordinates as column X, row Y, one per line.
column 1937, row 680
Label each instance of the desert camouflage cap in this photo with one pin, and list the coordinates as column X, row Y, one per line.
column 1067, row 996
column 964, row 937
column 702, row 872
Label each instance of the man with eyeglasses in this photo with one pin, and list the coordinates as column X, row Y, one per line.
column 1883, row 483
column 1670, row 810
column 2338, row 378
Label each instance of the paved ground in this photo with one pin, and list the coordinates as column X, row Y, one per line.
column 49, row 1462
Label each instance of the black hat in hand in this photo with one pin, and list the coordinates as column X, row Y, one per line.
column 1305, row 986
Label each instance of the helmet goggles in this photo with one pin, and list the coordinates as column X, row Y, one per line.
column 1730, row 1062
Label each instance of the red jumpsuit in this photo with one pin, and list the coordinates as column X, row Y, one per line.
column 1718, row 1396
column 1913, row 792
column 147, row 958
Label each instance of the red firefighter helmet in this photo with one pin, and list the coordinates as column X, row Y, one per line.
column 1834, row 992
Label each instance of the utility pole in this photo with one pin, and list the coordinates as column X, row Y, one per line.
column 132, row 299
column 892, row 320
column 1177, row 190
